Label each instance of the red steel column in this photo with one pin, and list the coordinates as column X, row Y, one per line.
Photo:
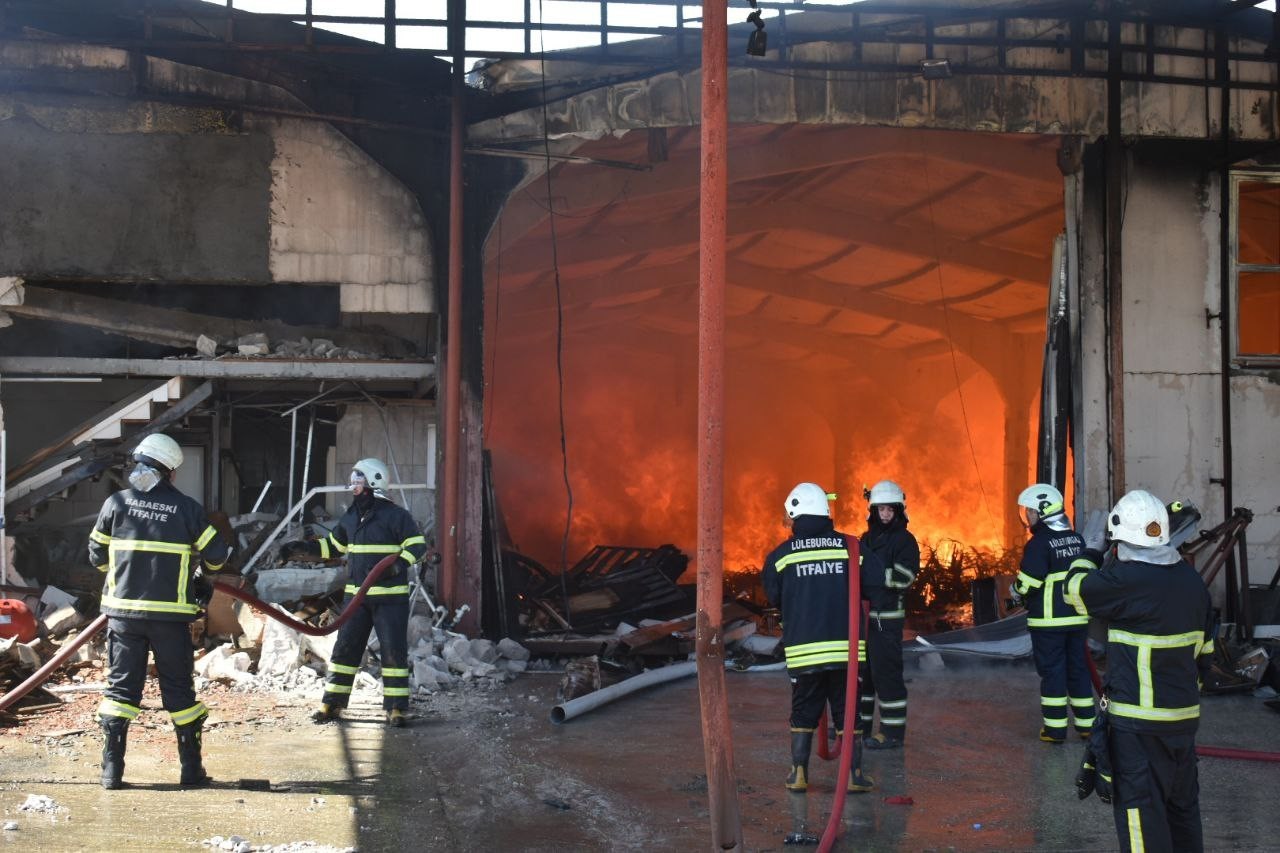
column 717, row 738
column 449, row 542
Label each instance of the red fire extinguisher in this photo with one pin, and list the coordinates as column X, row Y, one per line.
column 16, row 620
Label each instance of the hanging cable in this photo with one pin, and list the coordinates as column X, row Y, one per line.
column 951, row 345
column 555, row 268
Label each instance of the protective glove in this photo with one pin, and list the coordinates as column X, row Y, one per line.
column 1095, row 531
column 1015, row 597
column 289, row 550
column 201, row 588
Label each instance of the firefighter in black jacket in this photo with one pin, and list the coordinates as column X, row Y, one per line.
column 146, row 540
column 1058, row 633
column 807, row 579
column 1159, row 644
column 371, row 528
column 888, row 538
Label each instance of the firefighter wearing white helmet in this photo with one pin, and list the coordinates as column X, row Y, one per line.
column 888, row 538
column 371, row 529
column 144, row 541
column 1058, row 634
column 807, row 579
column 1160, row 638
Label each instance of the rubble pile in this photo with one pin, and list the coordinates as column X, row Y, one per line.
column 259, row 345
column 237, row 844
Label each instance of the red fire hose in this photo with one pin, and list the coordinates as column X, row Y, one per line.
column 42, row 674
column 1208, row 751
column 850, row 700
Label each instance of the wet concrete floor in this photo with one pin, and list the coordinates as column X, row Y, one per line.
column 487, row 771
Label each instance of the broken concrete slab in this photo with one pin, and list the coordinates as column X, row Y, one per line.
column 512, row 651
column 294, row 583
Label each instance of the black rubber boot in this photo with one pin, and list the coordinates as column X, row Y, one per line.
column 798, row 778
column 189, row 741
column 115, row 732
column 326, row 713
column 858, row 783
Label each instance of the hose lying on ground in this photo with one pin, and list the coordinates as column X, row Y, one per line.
column 42, row 674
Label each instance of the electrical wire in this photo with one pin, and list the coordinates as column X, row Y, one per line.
column 946, row 320
column 555, row 267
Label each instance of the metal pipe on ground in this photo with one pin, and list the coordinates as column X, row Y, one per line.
column 566, row 711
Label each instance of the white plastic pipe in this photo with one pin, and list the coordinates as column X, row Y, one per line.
column 566, row 711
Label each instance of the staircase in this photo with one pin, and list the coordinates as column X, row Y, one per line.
column 99, row 443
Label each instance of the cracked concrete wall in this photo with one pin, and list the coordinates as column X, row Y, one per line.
column 1172, row 362
column 103, row 184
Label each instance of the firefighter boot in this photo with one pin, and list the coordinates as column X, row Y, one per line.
column 801, row 744
column 325, row 713
column 858, row 783
column 396, row 718
column 189, row 739
column 115, row 731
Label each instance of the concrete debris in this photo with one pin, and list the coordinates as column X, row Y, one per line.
column 39, row 803
column 484, row 651
column 10, row 826
column 511, row 650
column 206, row 346
column 63, row 621
column 237, row 844
column 225, row 663
column 294, row 582
column 259, row 345
column 281, row 651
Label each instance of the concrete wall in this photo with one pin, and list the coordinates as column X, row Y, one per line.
column 407, row 437
column 122, row 188
column 1172, row 362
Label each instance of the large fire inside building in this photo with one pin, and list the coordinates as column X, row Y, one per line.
column 466, row 378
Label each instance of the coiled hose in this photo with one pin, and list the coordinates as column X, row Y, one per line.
column 42, row 674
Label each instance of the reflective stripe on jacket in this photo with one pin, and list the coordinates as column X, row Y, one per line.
column 366, row 540
column 1159, row 640
column 807, row 579
column 1045, row 563
column 146, row 543
column 900, row 553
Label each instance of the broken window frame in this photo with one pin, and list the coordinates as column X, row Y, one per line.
column 1238, row 177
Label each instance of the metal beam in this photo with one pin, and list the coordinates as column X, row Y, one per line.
column 682, row 231
column 799, row 150
column 217, row 369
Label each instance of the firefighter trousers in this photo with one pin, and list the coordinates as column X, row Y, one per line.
column 1157, row 792
column 128, row 643
column 811, row 692
column 390, row 619
column 1064, row 679
column 884, row 681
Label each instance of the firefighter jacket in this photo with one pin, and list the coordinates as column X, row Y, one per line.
column 146, row 542
column 367, row 537
column 807, row 579
column 1045, row 563
column 1159, row 640
column 897, row 549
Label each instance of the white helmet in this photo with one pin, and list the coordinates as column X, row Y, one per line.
column 1139, row 518
column 886, row 492
column 161, row 449
column 374, row 473
column 1041, row 497
column 808, row 499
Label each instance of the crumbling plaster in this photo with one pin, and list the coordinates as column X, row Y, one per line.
column 107, row 178
column 1172, row 362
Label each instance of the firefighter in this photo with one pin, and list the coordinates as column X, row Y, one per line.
column 371, row 528
column 1058, row 632
column 145, row 540
column 1159, row 646
column 807, row 579
column 888, row 538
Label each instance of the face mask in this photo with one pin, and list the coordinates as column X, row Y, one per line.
column 144, row 478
